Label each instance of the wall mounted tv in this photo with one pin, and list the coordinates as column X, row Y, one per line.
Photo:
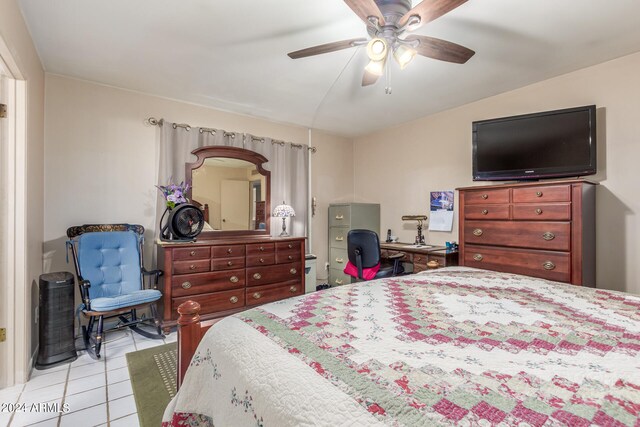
column 549, row 144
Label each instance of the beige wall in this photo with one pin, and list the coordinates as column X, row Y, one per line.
column 399, row 166
column 16, row 36
column 101, row 159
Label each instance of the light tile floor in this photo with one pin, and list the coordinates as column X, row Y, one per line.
column 96, row 392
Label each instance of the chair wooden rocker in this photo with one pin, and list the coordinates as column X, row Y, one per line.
column 111, row 277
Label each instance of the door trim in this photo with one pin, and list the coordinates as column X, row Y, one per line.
column 18, row 308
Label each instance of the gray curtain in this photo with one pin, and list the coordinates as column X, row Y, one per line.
column 289, row 166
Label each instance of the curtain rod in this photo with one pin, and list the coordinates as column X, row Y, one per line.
column 159, row 122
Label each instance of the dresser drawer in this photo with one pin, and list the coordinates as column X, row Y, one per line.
column 337, row 277
column 212, row 302
column 218, row 264
column 479, row 197
column 542, row 194
column 544, row 264
column 190, row 253
column 338, row 258
column 288, row 256
column 264, row 294
column 275, row 273
column 287, row 246
column 484, row 211
column 193, row 284
column 339, row 216
column 260, row 249
column 338, row 237
column 227, row 251
column 265, row 259
column 542, row 212
column 193, row 266
column 526, row 234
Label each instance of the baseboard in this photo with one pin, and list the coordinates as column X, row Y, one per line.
column 32, row 361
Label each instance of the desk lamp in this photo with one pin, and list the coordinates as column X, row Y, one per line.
column 284, row 211
column 419, row 218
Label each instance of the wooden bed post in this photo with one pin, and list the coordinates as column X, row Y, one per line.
column 189, row 335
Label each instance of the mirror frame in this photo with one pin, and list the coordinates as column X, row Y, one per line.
column 258, row 160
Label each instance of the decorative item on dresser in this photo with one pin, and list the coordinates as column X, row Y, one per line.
column 229, row 275
column 540, row 229
column 342, row 218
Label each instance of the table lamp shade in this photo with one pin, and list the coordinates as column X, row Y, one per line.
column 283, row 211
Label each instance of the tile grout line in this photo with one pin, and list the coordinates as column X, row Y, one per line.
column 64, row 395
column 13, row 414
column 106, row 385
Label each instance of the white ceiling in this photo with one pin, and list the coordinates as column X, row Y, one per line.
column 231, row 54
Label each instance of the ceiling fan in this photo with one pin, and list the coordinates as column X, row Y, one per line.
column 390, row 24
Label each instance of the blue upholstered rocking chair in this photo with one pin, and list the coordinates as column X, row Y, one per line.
column 111, row 276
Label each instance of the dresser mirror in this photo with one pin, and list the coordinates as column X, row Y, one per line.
column 232, row 188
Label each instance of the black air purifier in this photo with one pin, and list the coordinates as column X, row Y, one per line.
column 57, row 345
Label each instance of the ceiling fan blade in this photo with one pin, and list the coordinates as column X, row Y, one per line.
column 369, row 78
column 326, row 48
column 428, row 10
column 366, row 8
column 441, row 49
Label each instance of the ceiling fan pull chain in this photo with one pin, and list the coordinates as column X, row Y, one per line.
column 387, row 88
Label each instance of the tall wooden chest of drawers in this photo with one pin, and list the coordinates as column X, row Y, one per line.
column 342, row 218
column 230, row 275
column 541, row 229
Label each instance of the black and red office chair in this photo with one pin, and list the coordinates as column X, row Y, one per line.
column 365, row 263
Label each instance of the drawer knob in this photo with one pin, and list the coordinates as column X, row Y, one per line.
column 538, row 193
column 229, row 250
column 290, row 257
column 548, row 236
column 340, row 238
column 477, row 232
column 339, row 260
column 339, row 216
column 192, row 253
column 538, row 211
column 290, row 246
column 229, row 263
column 293, row 271
column 293, row 289
column 548, row 265
column 485, row 211
column 485, row 196
column 234, row 279
column 257, row 295
column 261, row 260
column 478, row 257
column 257, row 276
column 233, row 299
column 338, row 282
column 186, row 285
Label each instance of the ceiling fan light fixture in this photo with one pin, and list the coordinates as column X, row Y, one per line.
column 377, row 49
column 376, row 67
column 404, row 55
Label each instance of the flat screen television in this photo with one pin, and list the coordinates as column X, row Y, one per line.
column 550, row 144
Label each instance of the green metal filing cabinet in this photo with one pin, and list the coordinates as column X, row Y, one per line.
column 342, row 218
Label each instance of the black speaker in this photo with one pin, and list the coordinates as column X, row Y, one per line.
column 56, row 311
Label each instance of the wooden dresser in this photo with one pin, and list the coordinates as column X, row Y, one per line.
column 229, row 275
column 541, row 229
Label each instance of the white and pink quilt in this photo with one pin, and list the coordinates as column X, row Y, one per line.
column 453, row 346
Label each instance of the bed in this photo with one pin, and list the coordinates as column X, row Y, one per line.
column 453, row 346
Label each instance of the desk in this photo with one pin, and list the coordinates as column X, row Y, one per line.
column 419, row 256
